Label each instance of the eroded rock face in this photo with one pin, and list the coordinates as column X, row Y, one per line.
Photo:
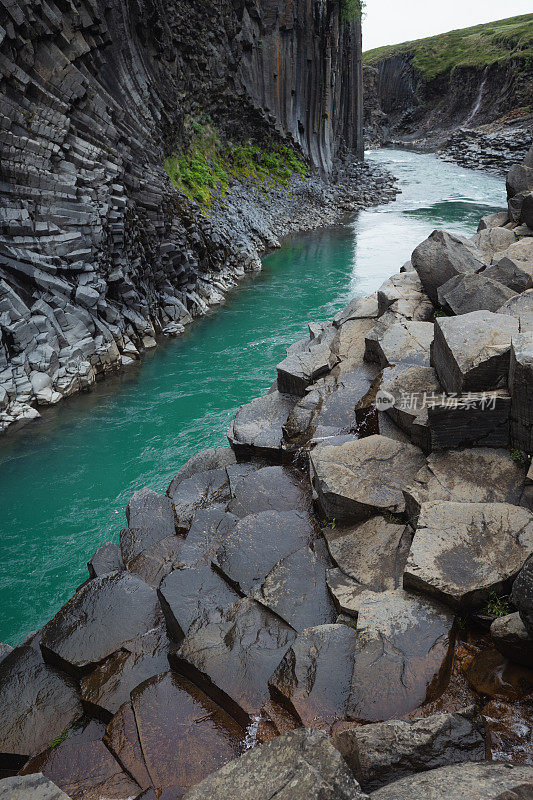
column 365, row 476
column 384, row 752
column 302, row 765
column 486, row 781
column 257, row 428
column 232, row 656
column 463, row 551
column 155, row 563
column 38, row 703
column 30, row 787
column 402, row 654
column 101, row 617
column 441, row 257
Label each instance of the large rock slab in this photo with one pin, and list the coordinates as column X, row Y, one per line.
column 348, row 346
column 232, row 656
column 463, row 551
column 38, row 703
column 402, row 655
column 347, row 594
column 110, row 684
column 122, row 738
column 106, row 559
column 193, row 593
column 258, row 542
column 522, row 595
column 513, row 273
column 512, row 639
column 155, row 563
column 521, row 388
column 520, row 307
column 267, row 489
column 471, row 353
column 466, row 293
column 485, row 781
column 30, row 787
column 98, row 620
column 200, row 490
column 358, row 308
column 363, row 477
column 373, row 553
column 301, row 765
column 314, row 678
column 404, row 342
column 150, row 518
column 85, row 771
column 209, row 527
column 303, row 365
column 443, row 256
column 184, row 736
column 257, row 428
column 384, row 752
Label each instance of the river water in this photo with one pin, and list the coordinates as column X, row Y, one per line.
column 66, row 479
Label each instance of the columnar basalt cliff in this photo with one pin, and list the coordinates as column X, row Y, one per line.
column 98, row 252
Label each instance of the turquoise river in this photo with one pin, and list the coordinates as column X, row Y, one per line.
column 66, row 479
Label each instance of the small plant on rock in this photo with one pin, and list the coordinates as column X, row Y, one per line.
column 498, row 605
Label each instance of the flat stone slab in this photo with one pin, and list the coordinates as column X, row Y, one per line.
column 301, row 765
column 358, row 308
column 373, row 552
column 150, row 518
column 405, row 342
column 38, row 703
column 231, row 658
column 347, row 594
column 520, row 307
column 199, row 491
column 106, row 559
column 193, row 593
column 304, row 365
column 384, row 752
column 110, row 684
column 154, row 564
column 466, row 293
column 268, row 489
column 443, row 256
column 98, row 620
column 402, row 654
column 485, row 781
column 209, row 527
column 85, row 771
column 363, row 477
column 258, row 542
column 463, row 551
column 184, row 736
column 257, row 431
column 513, row 273
column 350, row 342
column 295, row 589
column 314, row 678
column 471, row 352
column 30, row 787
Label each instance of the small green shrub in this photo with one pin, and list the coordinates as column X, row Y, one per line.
column 519, row 457
column 498, row 606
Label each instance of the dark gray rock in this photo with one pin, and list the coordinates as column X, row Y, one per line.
column 414, row 390
column 521, row 388
column 98, row 620
column 108, row 558
column 150, row 519
column 257, row 428
column 305, row 364
column 204, row 461
column 199, row 491
column 347, row 593
column 522, row 595
column 495, row 220
column 466, row 293
column 301, row 765
column 448, row 557
column 267, row 489
column 5, row 650
column 384, row 752
column 208, row 529
column 154, row 564
column 441, row 257
column 485, row 781
column 232, row 656
column 403, row 294
column 358, row 308
column 122, row 739
column 30, row 787
column 520, row 307
column 479, row 419
column 516, row 275
column 512, row 639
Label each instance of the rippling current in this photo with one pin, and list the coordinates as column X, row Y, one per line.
column 66, row 479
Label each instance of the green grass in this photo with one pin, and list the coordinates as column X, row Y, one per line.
column 479, row 47
column 498, row 606
column 352, row 9
column 209, row 165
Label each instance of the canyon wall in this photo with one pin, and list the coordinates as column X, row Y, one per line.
column 98, row 252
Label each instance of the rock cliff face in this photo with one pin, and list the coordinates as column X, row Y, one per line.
column 98, row 253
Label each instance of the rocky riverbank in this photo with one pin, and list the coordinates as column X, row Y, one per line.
column 339, row 605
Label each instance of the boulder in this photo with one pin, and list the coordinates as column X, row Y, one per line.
column 267, row 489
column 200, row 490
column 231, row 656
column 519, row 179
column 521, row 388
column 412, row 390
column 471, row 353
column 520, row 307
column 384, row 752
column 209, row 527
column 492, row 243
column 443, row 256
column 108, row 558
column 403, row 294
column 373, row 553
column 256, row 430
column 150, row 518
column 157, row 561
column 98, row 620
column 204, row 461
column 364, row 477
column 305, row 364
column 516, row 275
column 405, row 343
column 258, row 542
column 314, row 678
column 466, row 293
column 449, row 555
column 526, row 215
column 482, row 781
column 348, row 346
column 512, row 639
column 372, row 352
column 110, row 684
column 496, row 220
column 522, row 595
column 478, row 419
column 30, row 787
column 38, row 704
column 190, row 594
column 402, row 656
column 358, row 308
column 301, row 765
column 85, row 771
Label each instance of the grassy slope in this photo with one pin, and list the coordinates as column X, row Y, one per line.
column 480, row 46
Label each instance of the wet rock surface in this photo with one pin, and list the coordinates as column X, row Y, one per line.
column 512, row 639
column 257, row 428
column 108, row 558
column 522, row 595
